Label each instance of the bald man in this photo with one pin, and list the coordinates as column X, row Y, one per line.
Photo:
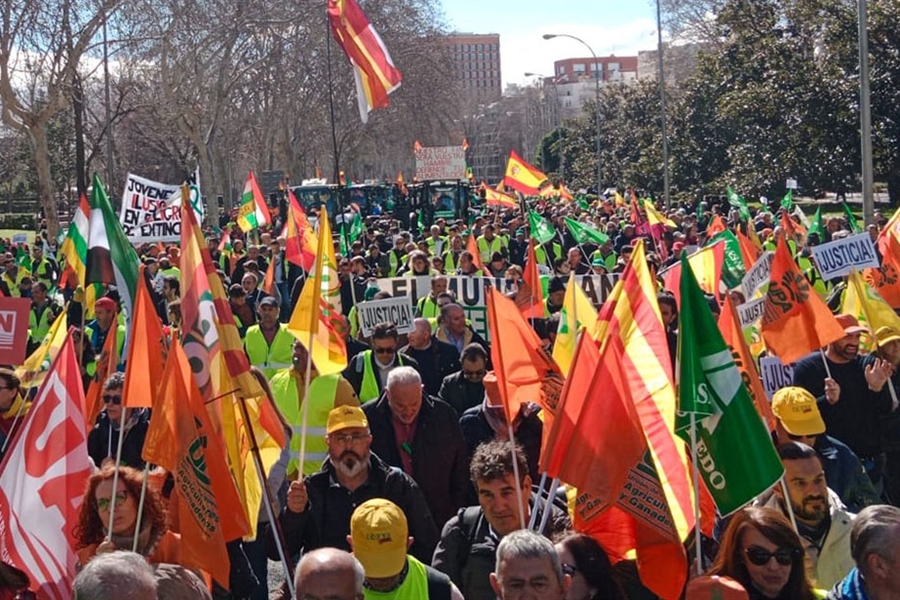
column 436, row 359
column 329, row 574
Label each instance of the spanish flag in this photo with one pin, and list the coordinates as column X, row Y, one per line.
column 376, row 75
column 523, row 177
column 577, row 312
column 497, row 198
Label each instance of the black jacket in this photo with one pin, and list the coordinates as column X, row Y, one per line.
column 459, row 393
column 103, row 441
column 477, row 430
column 356, row 368
column 326, row 520
column 436, row 362
column 440, row 465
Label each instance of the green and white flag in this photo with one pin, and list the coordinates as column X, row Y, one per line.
column 739, row 203
column 851, row 219
column 584, row 233
column 356, row 227
column 734, row 452
column 818, row 225
column 787, row 203
column 111, row 258
column 541, row 229
column 733, row 270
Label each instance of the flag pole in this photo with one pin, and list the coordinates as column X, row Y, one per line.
column 140, row 509
column 825, row 362
column 787, row 503
column 548, row 506
column 268, row 502
column 334, row 143
column 515, row 463
column 532, row 520
column 696, row 476
column 304, row 405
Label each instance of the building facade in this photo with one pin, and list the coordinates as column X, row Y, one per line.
column 476, row 61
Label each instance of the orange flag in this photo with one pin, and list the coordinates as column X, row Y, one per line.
column 886, row 278
column 795, row 321
column 106, row 365
column 268, row 285
column 144, row 368
column 730, row 326
column 716, row 226
column 750, row 253
column 530, row 297
column 520, row 361
column 472, row 248
column 299, row 238
column 180, row 439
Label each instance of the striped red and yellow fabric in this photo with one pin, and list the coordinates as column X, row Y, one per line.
column 494, row 198
column 523, row 177
column 376, row 75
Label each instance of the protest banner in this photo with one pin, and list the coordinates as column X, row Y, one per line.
column 151, row 211
column 836, row 259
column 18, row 236
column 13, row 329
column 758, row 275
column 441, row 162
column 398, row 311
column 750, row 312
column 775, row 374
column 470, row 292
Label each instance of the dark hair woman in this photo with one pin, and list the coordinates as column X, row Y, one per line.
column 585, row 561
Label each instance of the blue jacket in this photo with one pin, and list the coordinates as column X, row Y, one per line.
column 851, row 588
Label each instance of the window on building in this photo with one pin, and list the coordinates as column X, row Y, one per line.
column 578, row 67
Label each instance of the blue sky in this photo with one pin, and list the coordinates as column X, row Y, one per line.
column 620, row 27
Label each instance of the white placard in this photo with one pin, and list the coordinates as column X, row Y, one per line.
column 441, row 162
column 750, row 312
column 836, row 259
column 775, row 374
column 151, row 211
column 758, row 275
column 398, row 311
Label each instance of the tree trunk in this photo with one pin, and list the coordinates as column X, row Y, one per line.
column 37, row 136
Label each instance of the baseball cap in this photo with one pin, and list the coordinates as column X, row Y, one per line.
column 106, row 303
column 343, row 417
column 713, row 587
column 269, row 301
column 887, row 334
column 850, row 324
column 796, row 409
column 379, row 532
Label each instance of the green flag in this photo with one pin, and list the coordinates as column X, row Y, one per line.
column 343, row 240
column 851, row 219
column 817, row 225
column 582, row 203
column 420, row 223
column 541, row 229
column 787, row 203
column 22, row 259
column 734, row 452
column 733, row 264
column 356, row 227
column 739, row 203
column 585, row 233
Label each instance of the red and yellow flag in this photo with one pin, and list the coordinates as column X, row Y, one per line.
column 886, row 278
column 496, row 198
column 795, row 321
column 317, row 314
column 706, row 264
column 300, row 239
column 144, row 367
column 523, row 177
column 376, row 75
column 181, row 440
column 750, row 253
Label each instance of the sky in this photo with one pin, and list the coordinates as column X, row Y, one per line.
column 620, row 27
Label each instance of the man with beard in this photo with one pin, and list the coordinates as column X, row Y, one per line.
column 822, row 521
column 851, row 395
column 318, row 509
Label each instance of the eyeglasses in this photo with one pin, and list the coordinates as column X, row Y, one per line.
column 384, row 350
column 473, row 374
column 112, row 399
column 760, row 556
column 348, row 438
column 103, row 503
column 569, row 570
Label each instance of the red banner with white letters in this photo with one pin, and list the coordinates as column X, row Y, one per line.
column 13, row 329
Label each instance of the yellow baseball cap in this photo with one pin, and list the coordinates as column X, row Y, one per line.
column 343, row 417
column 797, row 410
column 379, row 532
column 886, row 334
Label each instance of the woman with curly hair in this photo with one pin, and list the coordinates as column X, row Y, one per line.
column 762, row 552
column 155, row 541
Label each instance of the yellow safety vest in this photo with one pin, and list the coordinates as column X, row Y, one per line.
column 369, row 389
column 171, row 272
column 44, row 275
column 396, row 263
column 450, row 263
column 427, row 308
column 434, row 242
column 40, row 327
column 322, row 392
column 269, row 358
column 486, row 249
column 414, row 587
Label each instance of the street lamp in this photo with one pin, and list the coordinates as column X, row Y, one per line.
column 550, row 36
column 556, row 123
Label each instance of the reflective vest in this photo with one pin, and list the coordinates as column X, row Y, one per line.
column 396, row 262
column 486, row 249
column 369, row 389
column 435, row 246
column 451, row 261
column 40, row 326
column 269, row 358
column 541, row 255
column 414, row 586
column 322, row 391
column 427, row 308
column 171, row 272
column 813, row 275
column 609, row 260
column 44, row 272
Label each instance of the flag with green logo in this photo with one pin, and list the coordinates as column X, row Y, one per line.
column 851, row 219
column 787, row 203
column 739, row 203
column 585, row 233
column 734, row 452
column 541, row 229
column 582, row 203
column 817, row 226
column 356, row 227
column 733, row 270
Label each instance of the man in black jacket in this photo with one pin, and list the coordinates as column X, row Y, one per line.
column 436, row 359
column 318, row 509
column 421, row 435
column 464, row 389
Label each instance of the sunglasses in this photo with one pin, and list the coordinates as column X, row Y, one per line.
column 103, row 503
column 385, row 350
column 760, row 556
column 112, row 399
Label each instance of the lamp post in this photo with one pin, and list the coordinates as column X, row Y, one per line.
column 556, row 123
column 550, row 36
column 865, row 117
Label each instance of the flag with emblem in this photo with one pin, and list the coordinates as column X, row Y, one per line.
column 541, row 229
column 253, row 212
column 523, row 177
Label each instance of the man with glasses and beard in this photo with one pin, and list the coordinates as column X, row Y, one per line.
column 822, row 521
column 368, row 370
column 318, row 509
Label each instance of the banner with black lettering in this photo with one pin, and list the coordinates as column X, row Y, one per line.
column 398, row 311
column 775, row 374
column 151, row 211
column 836, row 259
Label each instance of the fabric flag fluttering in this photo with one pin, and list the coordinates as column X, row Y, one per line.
column 706, row 264
column 541, row 229
column 577, row 312
column 584, row 233
column 495, row 198
column 472, row 248
column 375, row 73
column 300, row 241
column 530, row 295
column 33, row 371
column 317, row 314
column 863, row 302
column 523, row 177
column 817, row 226
column 712, row 398
column 886, row 278
column 75, row 246
column 253, row 212
column 795, row 320
column 851, row 219
column 42, row 481
column 144, row 367
column 111, row 258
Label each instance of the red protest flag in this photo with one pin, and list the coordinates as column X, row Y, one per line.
column 522, row 176
column 268, row 285
column 886, row 278
column 472, row 248
column 706, row 264
column 795, row 320
column 530, row 296
column 716, row 226
column 300, row 239
column 42, row 481
column 144, row 367
column 750, row 253
column 105, row 366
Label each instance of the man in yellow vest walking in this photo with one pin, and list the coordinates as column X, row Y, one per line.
column 269, row 345
column 326, row 392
